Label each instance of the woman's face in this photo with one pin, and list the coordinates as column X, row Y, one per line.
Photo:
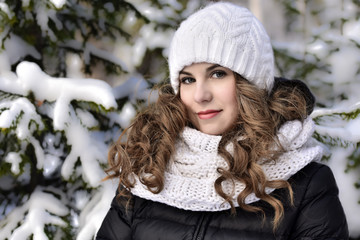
column 209, row 94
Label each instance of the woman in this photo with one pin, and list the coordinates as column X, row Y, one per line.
column 226, row 152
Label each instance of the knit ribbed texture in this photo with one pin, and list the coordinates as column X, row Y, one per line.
column 228, row 35
column 190, row 177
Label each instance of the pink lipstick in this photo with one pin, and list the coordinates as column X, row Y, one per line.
column 208, row 114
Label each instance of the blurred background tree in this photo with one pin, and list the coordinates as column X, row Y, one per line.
column 322, row 47
column 57, row 121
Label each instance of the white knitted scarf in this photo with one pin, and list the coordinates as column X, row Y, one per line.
column 192, row 171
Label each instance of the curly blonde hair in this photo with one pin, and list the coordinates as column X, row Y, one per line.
column 152, row 135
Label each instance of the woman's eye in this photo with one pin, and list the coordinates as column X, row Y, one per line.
column 218, row 74
column 187, row 80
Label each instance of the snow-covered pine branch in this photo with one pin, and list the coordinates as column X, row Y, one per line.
column 58, row 142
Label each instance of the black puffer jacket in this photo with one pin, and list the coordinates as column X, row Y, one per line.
column 316, row 214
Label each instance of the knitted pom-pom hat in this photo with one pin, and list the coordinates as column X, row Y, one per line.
column 228, row 35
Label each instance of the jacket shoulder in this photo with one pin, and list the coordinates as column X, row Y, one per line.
column 320, row 213
column 118, row 220
column 314, row 179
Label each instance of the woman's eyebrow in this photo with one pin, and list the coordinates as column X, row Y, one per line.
column 208, row 69
column 185, row 73
column 212, row 67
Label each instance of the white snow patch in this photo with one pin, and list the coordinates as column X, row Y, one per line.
column 348, row 194
column 17, row 48
column 40, row 209
column 58, row 3
column 61, row 90
column 345, row 64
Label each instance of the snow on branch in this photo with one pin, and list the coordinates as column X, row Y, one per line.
column 92, row 215
column 54, row 128
column 88, row 150
column 62, row 90
column 58, row 94
column 339, row 122
column 40, row 209
column 22, row 113
column 90, row 49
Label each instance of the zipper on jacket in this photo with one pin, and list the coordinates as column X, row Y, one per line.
column 202, row 225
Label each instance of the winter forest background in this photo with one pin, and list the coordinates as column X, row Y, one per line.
column 74, row 72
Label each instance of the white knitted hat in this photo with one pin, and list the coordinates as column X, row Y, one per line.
column 228, row 35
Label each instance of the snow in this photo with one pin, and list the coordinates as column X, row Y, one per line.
column 88, row 150
column 86, row 118
column 352, row 30
column 331, row 124
column 346, row 130
column 109, row 7
column 173, row 3
column 344, row 106
column 50, row 142
column 151, row 12
column 62, row 90
column 8, row 117
column 51, row 163
column 15, row 159
column 5, row 8
column 74, row 63
column 318, row 48
column 53, row 98
column 25, row 177
column 335, row 126
column 134, row 88
column 81, row 199
column 90, row 49
column 42, row 16
column 345, row 71
column 25, row 3
column 149, row 39
column 348, row 195
column 89, row 145
column 19, row 48
column 43, row 208
column 58, row 3
column 96, row 210
column 85, row 147
column 128, row 112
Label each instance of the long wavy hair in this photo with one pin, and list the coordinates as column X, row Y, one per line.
column 151, row 138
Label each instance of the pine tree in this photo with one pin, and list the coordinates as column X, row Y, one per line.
column 57, row 122
column 328, row 42
column 80, row 27
column 57, row 125
column 325, row 55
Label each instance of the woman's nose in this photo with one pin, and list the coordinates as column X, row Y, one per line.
column 202, row 93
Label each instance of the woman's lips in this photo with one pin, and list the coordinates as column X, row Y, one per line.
column 208, row 114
